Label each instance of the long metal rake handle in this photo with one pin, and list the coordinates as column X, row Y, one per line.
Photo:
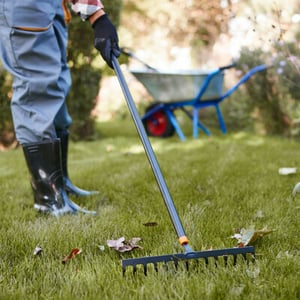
column 152, row 158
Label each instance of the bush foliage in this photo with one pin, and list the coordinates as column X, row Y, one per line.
column 7, row 135
column 273, row 96
column 85, row 77
column 268, row 103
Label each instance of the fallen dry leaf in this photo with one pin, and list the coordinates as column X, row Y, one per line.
column 73, row 253
column 37, row 251
column 287, row 171
column 150, row 224
column 121, row 245
column 249, row 236
column 101, row 247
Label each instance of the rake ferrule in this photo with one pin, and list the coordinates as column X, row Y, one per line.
column 183, row 240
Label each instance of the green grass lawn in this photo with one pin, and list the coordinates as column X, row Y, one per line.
column 218, row 183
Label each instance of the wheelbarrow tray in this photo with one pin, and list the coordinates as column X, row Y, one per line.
column 178, row 86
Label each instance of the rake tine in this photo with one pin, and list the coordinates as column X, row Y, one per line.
column 225, row 260
column 216, row 261
column 155, row 267
column 197, row 265
column 145, row 270
column 166, row 266
column 206, row 261
column 187, row 265
column 176, row 264
column 234, row 259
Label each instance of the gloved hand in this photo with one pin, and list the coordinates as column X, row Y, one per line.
column 106, row 39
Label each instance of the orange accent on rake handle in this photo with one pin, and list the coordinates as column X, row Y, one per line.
column 183, row 240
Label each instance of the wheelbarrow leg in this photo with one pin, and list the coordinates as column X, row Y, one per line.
column 197, row 124
column 221, row 119
column 175, row 124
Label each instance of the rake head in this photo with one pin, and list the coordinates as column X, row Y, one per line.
column 214, row 256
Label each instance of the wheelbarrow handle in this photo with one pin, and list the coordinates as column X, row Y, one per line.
column 127, row 51
column 232, row 65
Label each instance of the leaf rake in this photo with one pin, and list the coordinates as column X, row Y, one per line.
column 189, row 254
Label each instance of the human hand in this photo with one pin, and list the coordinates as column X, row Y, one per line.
column 106, row 39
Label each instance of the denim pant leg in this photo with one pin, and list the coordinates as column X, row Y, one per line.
column 63, row 119
column 35, row 60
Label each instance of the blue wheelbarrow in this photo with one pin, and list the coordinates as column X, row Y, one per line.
column 172, row 90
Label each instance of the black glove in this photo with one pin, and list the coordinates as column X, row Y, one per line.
column 106, row 39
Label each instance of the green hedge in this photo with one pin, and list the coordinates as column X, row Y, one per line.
column 7, row 136
column 85, row 77
column 274, row 95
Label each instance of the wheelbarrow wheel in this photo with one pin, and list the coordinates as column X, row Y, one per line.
column 158, row 124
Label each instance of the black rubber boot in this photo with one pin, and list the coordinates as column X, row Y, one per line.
column 70, row 188
column 44, row 163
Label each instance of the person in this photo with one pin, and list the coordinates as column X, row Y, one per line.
column 33, row 41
